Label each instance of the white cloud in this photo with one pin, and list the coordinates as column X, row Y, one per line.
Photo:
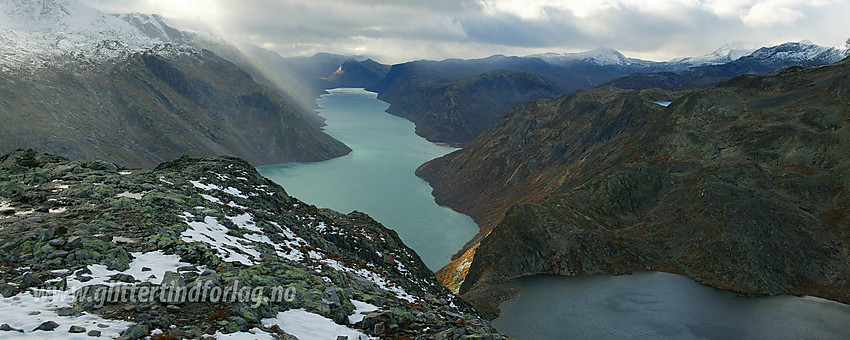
column 770, row 13
column 727, row 8
column 537, row 9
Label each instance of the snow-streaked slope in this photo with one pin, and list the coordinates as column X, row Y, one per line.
column 156, row 27
column 37, row 32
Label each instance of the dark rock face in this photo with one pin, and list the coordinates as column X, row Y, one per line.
column 742, row 186
column 153, row 106
column 227, row 225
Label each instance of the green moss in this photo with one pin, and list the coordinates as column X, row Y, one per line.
column 118, row 259
column 231, row 327
column 247, row 313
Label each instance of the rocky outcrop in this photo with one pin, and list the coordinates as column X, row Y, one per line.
column 742, row 186
column 71, row 230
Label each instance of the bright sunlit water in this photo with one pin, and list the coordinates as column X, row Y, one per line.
column 654, row 305
column 378, row 176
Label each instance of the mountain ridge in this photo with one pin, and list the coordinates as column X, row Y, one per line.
column 742, row 186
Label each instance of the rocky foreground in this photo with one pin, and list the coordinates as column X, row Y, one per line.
column 201, row 248
column 743, row 186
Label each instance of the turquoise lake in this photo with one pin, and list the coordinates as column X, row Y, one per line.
column 378, row 176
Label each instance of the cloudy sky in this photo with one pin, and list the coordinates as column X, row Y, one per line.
column 400, row 30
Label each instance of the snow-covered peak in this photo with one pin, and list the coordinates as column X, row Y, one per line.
column 600, row 56
column 155, row 27
column 726, row 53
column 801, row 52
column 793, row 51
column 38, row 32
column 66, row 20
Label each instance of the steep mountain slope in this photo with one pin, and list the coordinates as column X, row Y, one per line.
column 743, row 186
column 202, row 247
column 457, row 111
column 413, row 89
column 764, row 61
column 84, row 84
column 157, row 104
column 279, row 78
column 299, row 80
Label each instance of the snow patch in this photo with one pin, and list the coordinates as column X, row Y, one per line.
column 252, row 334
column 305, row 325
column 26, row 312
column 245, row 221
column 213, row 233
column 360, row 310
column 29, row 309
column 145, row 267
column 375, row 278
column 127, row 194
column 209, row 187
column 211, row 199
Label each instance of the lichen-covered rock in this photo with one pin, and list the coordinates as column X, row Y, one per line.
column 198, row 247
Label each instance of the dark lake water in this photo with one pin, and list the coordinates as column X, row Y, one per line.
column 654, row 305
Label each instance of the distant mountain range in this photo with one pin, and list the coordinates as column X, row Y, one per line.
column 446, row 119
column 84, row 84
column 764, row 61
